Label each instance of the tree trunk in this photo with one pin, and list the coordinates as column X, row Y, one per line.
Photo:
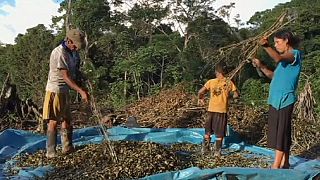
column 125, row 85
column 4, row 87
column 161, row 74
column 136, row 84
column 67, row 22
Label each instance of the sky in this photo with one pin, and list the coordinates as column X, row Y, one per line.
column 247, row 8
column 16, row 16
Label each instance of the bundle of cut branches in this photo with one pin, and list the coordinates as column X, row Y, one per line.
column 247, row 49
column 305, row 104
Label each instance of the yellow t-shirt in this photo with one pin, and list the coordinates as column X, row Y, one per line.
column 219, row 93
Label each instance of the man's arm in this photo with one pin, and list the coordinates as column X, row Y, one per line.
column 67, row 78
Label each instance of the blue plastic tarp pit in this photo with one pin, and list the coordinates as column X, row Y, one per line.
column 13, row 142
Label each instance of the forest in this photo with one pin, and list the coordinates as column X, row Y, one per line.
column 155, row 45
column 141, row 50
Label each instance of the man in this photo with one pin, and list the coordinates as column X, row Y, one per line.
column 56, row 107
column 220, row 89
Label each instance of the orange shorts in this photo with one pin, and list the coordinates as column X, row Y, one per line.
column 56, row 106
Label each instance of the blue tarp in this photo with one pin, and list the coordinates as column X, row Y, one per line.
column 13, row 142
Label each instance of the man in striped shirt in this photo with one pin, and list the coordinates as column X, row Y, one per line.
column 56, row 107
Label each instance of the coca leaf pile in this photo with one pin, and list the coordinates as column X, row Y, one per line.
column 135, row 160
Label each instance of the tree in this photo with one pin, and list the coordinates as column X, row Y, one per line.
column 91, row 16
column 28, row 61
column 145, row 68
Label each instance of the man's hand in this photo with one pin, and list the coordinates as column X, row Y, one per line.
column 84, row 96
column 67, row 78
column 201, row 102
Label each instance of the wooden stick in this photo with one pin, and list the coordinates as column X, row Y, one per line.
column 191, row 108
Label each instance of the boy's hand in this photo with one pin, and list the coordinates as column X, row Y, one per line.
column 201, row 102
column 235, row 100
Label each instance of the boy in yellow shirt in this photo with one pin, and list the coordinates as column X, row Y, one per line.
column 220, row 90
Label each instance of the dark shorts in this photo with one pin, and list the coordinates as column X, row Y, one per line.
column 279, row 128
column 216, row 124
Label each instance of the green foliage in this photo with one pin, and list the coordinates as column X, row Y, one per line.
column 91, row 16
column 143, row 68
column 27, row 61
column 191, row 62
column 206, row 33
column 117, row 98
column 143, row 17
column 210, row 32
column 137, row 52
column 2, row 62
column 189, row 10
column 94, row 74
column 254, row 92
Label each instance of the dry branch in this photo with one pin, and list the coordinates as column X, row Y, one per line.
column 97, row 113
column 306, row 102
column 247, row 49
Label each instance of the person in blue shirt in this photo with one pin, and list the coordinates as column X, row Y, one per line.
column 282, row 92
